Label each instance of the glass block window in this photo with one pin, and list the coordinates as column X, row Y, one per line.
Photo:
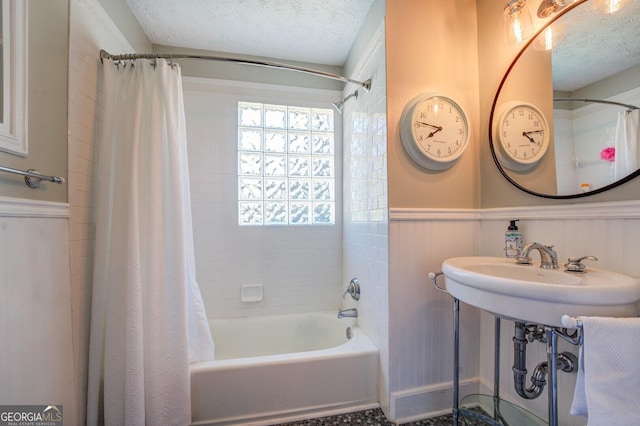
column 286, row 168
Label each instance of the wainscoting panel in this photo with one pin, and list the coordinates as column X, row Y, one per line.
column 36, row 366
column 420, row 317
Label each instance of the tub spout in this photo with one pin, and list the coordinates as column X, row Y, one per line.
column 343, row 313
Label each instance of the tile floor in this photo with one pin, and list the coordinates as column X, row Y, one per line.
column 375, row 417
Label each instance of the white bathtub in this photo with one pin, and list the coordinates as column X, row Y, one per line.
column 281, row 368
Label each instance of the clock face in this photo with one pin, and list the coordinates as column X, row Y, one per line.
column 435, row 131
column 522, row 136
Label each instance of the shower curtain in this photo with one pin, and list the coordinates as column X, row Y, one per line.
column 148, row 321
column 627, row 158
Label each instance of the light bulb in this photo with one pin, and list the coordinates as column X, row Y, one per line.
column 517, row 22
column 549, row 38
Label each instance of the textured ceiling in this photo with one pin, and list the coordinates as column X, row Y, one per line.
column 323, row 31
column 314, row 31
column 596, row 45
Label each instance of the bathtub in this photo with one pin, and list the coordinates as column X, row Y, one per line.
column 282, row 368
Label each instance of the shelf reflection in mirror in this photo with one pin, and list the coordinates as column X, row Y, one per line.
column 597, row 58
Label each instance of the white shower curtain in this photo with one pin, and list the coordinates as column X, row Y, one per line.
column 148, row 321
column 627, row 139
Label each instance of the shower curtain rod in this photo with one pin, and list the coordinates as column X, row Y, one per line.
column 596, row 101
column 171, row 56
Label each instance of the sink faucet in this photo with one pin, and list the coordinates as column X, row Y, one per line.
column 353, row 312
column 548, row 257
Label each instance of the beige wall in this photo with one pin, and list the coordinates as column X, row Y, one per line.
column 47, row 113
column 621, row 82
column 432, row 46
column 124, row 20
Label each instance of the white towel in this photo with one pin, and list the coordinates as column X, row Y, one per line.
column 608, row 384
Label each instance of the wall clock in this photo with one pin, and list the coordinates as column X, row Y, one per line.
column 520, row 135
column 434, row 130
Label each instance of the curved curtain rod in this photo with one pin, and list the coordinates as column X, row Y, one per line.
column 171, row 56
column 596, row 101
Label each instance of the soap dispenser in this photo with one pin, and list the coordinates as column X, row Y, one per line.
column 512, row 240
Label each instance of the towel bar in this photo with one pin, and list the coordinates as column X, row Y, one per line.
column 31, row 177
column 433, row 276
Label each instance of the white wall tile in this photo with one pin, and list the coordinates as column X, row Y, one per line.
column 366, row 242
column 90, row 30
column 299, row 267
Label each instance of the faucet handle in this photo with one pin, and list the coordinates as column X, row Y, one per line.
column 523, row 260
column 575, row 265
column 353, row 289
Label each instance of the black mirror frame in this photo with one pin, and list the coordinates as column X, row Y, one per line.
column 493, row 108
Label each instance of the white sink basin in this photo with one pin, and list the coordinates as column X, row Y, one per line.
column 531, row 294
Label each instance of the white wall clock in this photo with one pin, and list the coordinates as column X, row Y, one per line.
column 520, row 135
column 434, row 130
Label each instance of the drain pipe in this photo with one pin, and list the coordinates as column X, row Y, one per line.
column 566, row 362
column 520, row 366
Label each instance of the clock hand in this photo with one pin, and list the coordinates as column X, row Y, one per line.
column 526, row 135
column 437, row 128
column 422, row 123
column 435, row 131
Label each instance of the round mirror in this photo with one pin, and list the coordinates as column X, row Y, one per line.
column 565, row 119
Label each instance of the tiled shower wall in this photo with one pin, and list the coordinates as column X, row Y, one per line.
column 90, row 30
column 366, row 220
column 579, row 162
column 299, row 267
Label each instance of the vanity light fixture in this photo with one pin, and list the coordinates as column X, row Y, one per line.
column 517, row 21
column 549, row 7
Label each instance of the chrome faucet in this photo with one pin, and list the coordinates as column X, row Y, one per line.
column 548, row 257
column 343, row 313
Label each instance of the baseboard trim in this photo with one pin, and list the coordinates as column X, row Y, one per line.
column 427, row 401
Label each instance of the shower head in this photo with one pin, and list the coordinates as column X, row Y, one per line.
column 353, row 95
column 339, row 106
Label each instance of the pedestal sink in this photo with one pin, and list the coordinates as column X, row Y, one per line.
column 532, row 294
